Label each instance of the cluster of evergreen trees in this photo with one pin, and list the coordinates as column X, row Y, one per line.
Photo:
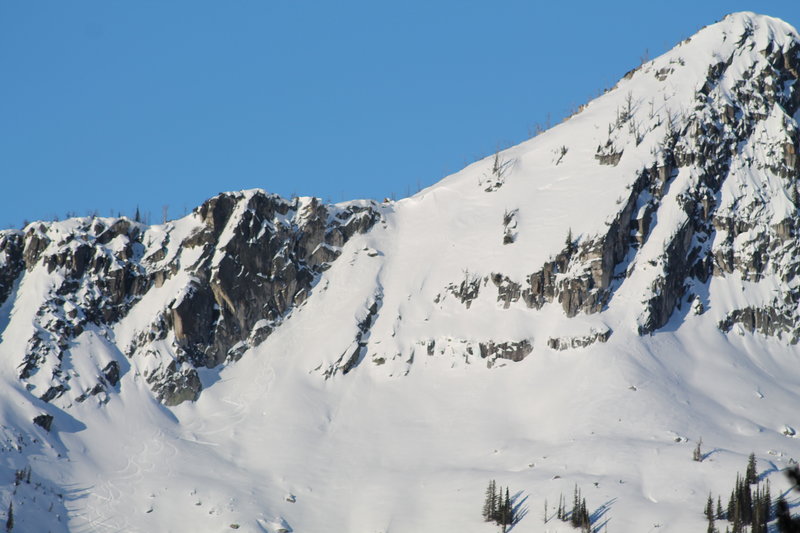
column 497, row 506
column 786, row 522
column 578, row 517
column 746, row 507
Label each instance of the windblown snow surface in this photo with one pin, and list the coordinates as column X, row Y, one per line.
column 408, row 438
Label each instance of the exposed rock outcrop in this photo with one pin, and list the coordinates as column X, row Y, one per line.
column 248, row 259
column 580, row 341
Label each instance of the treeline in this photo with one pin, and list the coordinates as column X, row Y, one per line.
column 497, row 506
column 750, row 504
column 578, row 517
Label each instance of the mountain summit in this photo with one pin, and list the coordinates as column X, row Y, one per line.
column 577, row 309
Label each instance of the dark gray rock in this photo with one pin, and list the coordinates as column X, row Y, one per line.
column 467, row 290
column 12, row 263
column 44, row 421
column 175, row 384
column 111, row 373
column 244, row 282
column 354, row 354
column 582, row 341
column 511, row 350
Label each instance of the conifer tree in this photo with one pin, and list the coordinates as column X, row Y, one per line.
column 584, row 518
column 767, row 504
column 10, row 519
column 731, row 506
column 506, row 511
column 709, row 510
column 576, row 507
column 786, row 524
column 490, row 503
column 569, row 244
column 579, row 517
column 545, row 511
column 497, row 506
column 697, row 454
column 711, row 527
column 750, row 476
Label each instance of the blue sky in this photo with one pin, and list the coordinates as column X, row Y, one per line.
column 108, row 105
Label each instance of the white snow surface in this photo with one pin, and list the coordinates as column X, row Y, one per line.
column 407, row 441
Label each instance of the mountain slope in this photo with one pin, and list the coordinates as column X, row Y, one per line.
column 580, row 308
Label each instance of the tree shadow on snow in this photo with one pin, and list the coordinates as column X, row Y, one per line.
column 74, row 492
column 791, row 501
column 766, row 473
column 708, row 454
column 520, row 507
column 598, row 518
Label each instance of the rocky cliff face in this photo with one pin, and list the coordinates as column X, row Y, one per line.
column 230, row 273
column 699, row 146
column 717, row 170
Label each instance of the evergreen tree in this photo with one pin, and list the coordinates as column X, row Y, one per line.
column 697, row 454
column 747, row 506
column 767, row 504
column 490, row 503
column 762, row 509
column 569, row 242
column 584, row 518
column 746, row 502
column 711, row 528
column 545, row 511
column 497, row 506
column 10, row 519
column 750, row 476
column 579, row 517
column 786, row 524
column 576, row 507
column 507, row 514
column 731, row 506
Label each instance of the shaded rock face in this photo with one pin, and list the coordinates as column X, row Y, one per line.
column 581, row 341
column 93, row 279
column 510, row 350
column 774, row 320
column 722, row 167
column 265, row 265
column 490, row 351
column 354, row 354
column 724, row 228
column 44, row 421
column 237, row 267
column 467, row 290
column 11, row 262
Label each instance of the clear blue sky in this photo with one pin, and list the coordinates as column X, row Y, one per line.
column 107, row 104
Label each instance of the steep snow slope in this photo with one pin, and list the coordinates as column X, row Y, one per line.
column 578, row 309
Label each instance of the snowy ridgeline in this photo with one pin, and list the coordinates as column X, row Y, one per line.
column 572, row 313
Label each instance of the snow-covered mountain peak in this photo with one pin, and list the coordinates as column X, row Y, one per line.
column 643, row 244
